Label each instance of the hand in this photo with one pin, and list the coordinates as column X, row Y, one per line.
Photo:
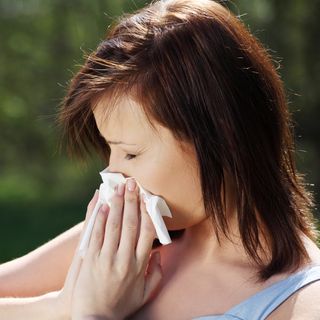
column 64, row 296
column 116, row 277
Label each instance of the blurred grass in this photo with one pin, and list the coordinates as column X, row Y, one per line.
column 27, row 225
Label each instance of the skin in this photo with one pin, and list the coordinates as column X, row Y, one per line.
column 116, row 276
column 221, row 276
column 42, row 270
column 160, row 166
column 118, row 256
column 164, row 168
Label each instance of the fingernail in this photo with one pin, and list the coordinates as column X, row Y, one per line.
column 120, row 189
column 131, row 184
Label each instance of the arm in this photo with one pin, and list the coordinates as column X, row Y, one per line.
column 43, row 307
column 43, row 269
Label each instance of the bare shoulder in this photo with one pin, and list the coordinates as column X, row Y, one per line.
column 303, row 304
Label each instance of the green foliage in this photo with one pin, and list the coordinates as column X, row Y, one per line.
column 42, row 192
column 290, row 32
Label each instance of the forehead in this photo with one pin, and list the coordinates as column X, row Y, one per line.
column 125, row 119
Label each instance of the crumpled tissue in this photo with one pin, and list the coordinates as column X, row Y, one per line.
column 155, row 205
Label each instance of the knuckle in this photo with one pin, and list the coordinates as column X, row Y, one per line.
column 98, row 236
column 116, row 199
column 114, row 224
column 123, row 270
column 101, row 217
column 117, row 204
column 141, row 267
column 132, row 226
column 148, row 226
column 130, row 218
column 130, row 197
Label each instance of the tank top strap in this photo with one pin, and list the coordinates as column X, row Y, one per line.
column 263, row 303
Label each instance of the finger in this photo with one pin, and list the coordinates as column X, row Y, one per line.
column 90, row 208
column 114, row 221
column 98, row 231
column 92, row 204
column 73, row 271
column 130, row 221
column 146, row 237
column 153, row 276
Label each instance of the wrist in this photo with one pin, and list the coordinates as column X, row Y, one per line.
column 55, row 309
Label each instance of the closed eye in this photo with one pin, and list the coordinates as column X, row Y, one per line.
column 130, row 156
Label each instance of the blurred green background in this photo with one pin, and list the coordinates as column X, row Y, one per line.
column 42, row 43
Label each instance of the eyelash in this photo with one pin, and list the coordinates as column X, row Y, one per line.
column 132, row 156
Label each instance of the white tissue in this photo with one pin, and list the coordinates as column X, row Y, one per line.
column 155, row 205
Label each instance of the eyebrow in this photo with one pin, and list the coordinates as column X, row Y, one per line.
column 120, row 142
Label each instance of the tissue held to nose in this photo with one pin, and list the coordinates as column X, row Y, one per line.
column 155, row 205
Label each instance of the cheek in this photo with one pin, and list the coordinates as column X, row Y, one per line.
column 185, row 202
column 172, row 174
column 180, row 188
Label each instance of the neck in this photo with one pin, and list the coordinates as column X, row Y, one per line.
column 200, row 244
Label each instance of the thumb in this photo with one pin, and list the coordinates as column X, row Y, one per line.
column 153, row 275
column 73, row 271
column 65, row 295
column 76, row 263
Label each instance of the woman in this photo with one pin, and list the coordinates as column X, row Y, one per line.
column 184, row 99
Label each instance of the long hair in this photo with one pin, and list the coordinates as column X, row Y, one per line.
column 195, row 69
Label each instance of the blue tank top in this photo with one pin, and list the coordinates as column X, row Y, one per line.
column 260, row 305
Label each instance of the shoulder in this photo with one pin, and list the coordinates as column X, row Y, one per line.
column 304, row 303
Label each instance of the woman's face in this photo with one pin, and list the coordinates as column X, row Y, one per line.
column 155, row 160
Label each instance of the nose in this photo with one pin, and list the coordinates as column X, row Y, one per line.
column 111, row 170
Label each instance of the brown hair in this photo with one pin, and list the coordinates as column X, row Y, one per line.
column 195, row 69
